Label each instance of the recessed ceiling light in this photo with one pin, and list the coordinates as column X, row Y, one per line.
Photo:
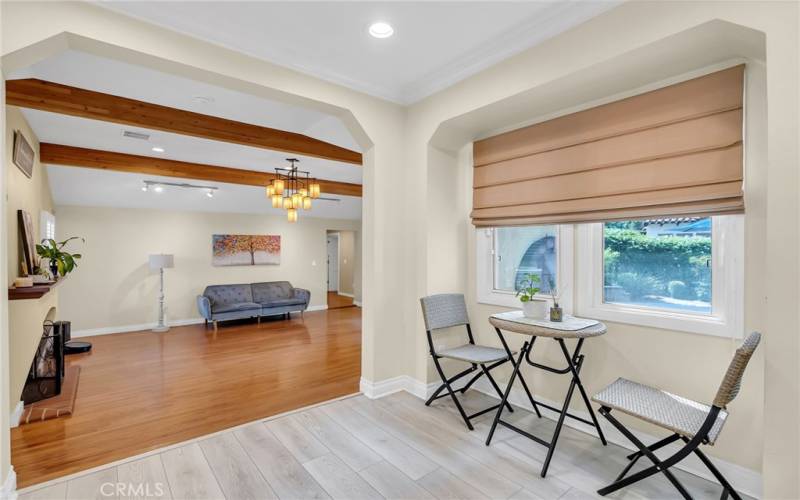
column 144, row 188
column 381, row 30
column 158, row 149
column 158, row 189
column 210, row 193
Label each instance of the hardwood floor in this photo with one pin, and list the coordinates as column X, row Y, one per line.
column 336, row 301
column 142, row 391
column 393, row 448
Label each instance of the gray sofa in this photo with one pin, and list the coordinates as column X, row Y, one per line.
column 226, row 302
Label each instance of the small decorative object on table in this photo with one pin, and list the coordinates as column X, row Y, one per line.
column 532, row 306
column 556, row 313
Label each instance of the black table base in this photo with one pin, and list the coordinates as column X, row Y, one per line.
column 574, row 363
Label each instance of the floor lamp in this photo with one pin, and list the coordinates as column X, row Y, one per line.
column 160, row 262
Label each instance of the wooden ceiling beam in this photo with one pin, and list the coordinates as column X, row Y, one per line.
column 57, row 154
column 63, row 99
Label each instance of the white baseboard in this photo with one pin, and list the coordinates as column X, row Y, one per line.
column 16, row 415
column 148, row 326
column 344, row 294
column 743, row 479
column 8, row 490
column 131, row 328
column 357, row 303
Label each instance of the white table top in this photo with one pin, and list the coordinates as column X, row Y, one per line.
column 571, row 327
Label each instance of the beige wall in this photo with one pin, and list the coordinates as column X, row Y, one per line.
column 560, row 76
column 24, row 327
column 31, row 195
column 5, row 375
column 399, row 247
column 114, row 287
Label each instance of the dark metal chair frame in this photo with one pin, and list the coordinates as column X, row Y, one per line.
column 447, row 382
column 727, row 392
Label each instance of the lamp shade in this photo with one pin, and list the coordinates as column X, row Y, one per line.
column 161, row 261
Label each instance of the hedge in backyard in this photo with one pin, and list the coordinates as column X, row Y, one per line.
column 665, row 265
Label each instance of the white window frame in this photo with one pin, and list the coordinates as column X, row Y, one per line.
column 727, row 285
column 46, row 221
column 487, row 294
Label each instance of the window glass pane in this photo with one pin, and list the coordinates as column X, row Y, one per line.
column 522, row 250
column 662, row 263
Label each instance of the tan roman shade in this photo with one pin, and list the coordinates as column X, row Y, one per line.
column 672, row 151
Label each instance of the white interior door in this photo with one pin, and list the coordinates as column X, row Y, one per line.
column 333, row 263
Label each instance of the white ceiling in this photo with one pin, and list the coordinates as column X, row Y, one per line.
column 101, row 188
column 78, row 186
column 435, row 44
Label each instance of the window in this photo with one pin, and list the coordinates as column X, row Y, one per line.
column 520, row 251
column 678, row 273
column 661, row 264
column 47, row 225
column 507, row 255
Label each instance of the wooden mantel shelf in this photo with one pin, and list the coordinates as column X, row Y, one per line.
column 32, row 292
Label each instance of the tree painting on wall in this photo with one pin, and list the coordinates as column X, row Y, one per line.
column 245, row 249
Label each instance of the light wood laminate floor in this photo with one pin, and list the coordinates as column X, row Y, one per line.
column 142, row 391
column 356, row 448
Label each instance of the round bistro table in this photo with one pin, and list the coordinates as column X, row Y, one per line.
column 570, row 328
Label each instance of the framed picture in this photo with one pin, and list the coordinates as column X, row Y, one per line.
column 23, row 155
column 29, row 261
column 245, row 250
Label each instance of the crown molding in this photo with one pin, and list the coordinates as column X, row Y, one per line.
column 527, row 34
column 530, row 32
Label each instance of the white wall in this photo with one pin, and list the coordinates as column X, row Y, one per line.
column 114, row 287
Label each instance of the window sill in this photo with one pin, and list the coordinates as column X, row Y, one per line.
column 505, row 299
column 665, row 320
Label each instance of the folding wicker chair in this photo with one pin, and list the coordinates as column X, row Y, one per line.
column 448, row 310
column 691, row 422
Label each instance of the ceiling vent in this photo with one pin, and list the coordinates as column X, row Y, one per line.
column 136, row 135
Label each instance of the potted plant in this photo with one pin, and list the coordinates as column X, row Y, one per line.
column 61, row 262
column 532, row 306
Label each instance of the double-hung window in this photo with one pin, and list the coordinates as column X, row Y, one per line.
column 506, row 255
column 681, row 274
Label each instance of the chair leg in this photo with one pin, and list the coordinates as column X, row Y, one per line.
column 471, row 381
column 442, row 387
column 259, row 321
column 452, row 394
column 726, row 486
column 634, row 457
column 496, row 387
column 657, row 467
column 656, row 446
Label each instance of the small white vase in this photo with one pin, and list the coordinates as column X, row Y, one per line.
column 535, row 309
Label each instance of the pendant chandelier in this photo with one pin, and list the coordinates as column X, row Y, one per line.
column 292, row 190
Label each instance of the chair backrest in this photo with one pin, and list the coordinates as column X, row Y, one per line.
column 444, row 310
column 732, row 381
